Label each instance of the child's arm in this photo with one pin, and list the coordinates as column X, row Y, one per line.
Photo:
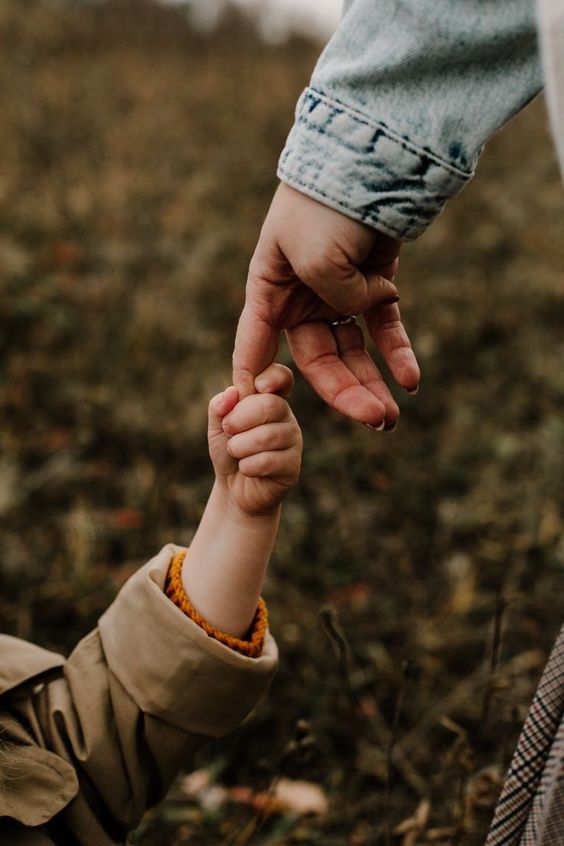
column 255, row 446
column 97, row 739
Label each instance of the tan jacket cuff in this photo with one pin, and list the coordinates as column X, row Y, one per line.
column 169, row 665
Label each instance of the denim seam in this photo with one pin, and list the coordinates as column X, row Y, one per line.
column 337, row 107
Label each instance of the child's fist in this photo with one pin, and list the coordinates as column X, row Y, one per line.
column 256, row 444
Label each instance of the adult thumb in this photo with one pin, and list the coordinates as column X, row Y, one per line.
column 347, row 289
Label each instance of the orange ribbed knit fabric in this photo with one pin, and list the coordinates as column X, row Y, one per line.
column 252, row 647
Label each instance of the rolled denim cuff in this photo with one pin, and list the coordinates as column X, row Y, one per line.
column 362, row 168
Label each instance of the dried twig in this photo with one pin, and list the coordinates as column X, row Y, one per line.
column 384, row 735
column 297, row 750
column 492, row 678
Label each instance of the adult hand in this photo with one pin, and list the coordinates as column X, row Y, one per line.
column 312, row 265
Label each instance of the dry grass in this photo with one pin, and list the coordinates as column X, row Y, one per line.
column 137, row 162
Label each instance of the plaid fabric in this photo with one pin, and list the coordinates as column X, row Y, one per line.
column 530, row 811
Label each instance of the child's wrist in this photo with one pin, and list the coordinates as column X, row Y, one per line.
column 237, row 514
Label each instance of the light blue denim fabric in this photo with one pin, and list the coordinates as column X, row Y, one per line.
column 403, row 99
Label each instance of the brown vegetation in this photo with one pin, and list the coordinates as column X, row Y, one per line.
column 417, row 582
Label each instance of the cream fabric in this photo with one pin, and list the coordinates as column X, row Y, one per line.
column 551, row 35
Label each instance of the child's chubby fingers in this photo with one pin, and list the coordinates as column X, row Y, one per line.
column 283, row 465
column 276, row 379
column 256, row 410
column 267, row 437
column 218, row 407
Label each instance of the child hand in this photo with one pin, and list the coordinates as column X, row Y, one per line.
column 256, row 444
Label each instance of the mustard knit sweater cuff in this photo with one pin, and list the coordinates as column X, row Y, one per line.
column 250, row 646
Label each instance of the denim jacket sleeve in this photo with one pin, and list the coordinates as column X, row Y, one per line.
column 401, row 102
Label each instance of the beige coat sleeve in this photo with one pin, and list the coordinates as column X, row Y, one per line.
column 103, row 739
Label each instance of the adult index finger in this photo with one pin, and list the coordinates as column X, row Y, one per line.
column 256, row 345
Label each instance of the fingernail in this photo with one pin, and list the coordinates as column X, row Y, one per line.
column 391, row 428
column 389, row 301
column 378, row 428
column 261, row 386
column 413, row 391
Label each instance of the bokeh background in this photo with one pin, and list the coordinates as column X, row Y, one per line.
column 417, row 582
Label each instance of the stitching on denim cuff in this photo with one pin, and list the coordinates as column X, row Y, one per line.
column 337, row 107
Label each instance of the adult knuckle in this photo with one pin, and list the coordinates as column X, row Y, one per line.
column 353, row 302
column 258, row 270
column 314, row 267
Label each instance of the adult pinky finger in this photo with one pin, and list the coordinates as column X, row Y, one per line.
column 388, row 333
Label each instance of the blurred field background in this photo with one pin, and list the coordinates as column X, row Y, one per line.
column 417, row 583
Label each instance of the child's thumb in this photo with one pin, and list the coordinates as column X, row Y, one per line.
column 276, row 379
